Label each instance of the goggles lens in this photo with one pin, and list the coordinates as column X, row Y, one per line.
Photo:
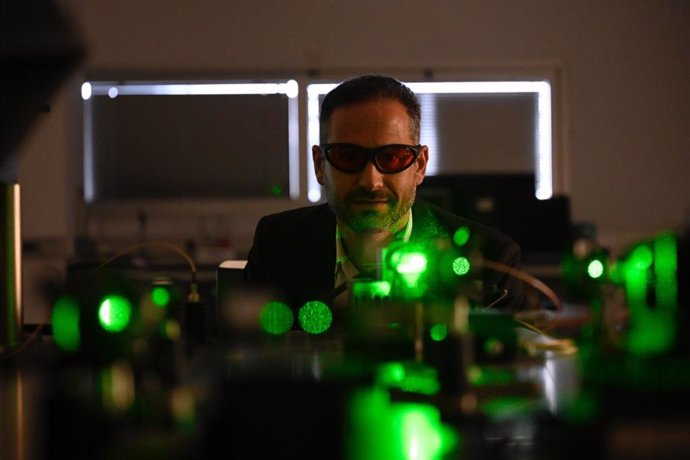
column 388, row 159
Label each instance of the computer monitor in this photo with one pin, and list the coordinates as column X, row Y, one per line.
column 506, row 202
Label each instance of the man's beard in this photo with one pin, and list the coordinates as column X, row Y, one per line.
column 370, row 221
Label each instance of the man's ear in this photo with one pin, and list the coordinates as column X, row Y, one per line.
column 319, row 163
column 420, row 164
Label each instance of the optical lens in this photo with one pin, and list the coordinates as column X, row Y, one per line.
column 394, row 158
column 348, row 158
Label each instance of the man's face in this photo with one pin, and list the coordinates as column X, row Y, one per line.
column 369, row 201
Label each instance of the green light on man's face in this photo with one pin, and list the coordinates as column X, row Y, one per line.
column 65, row 322
column 276, row 318
column 595, row 269
column 160, row 296
column 461, row 266
column 114, row 313
column 315, row 317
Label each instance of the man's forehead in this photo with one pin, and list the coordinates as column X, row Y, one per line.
column 379, row 117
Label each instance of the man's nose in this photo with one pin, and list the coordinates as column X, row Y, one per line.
column 370, row 178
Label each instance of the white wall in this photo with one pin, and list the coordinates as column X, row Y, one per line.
column 624, row 65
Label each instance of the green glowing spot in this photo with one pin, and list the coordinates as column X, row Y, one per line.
column 652, row 317
column 409, row 377
column 276, row 318
column 461, row 236
column 595, row 269
column 461, row 266
column 642, row 258
column 65, row 323
column 114, row 313
column 371, row 289
column 276, row 190
column 160, row 296
column 438, row 332
column 410, row 263
column 382, row 430
column 315, row 317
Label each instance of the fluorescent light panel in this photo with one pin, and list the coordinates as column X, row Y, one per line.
column 290, row 88
column 135, row 88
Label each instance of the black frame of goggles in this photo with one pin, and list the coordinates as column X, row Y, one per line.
column 370, row 155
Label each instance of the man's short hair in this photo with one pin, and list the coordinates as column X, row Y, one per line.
column 368, row 88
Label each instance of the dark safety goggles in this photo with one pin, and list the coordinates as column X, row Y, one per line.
column 388, row 159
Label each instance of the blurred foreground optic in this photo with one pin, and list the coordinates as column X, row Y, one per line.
column 409, row 377
column 371, row 289
column 383, row 430
column 65, row 321
column 651, row 286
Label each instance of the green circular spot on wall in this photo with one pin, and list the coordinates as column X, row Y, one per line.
column 276, row 318
column 315, row 317
column 461, row 266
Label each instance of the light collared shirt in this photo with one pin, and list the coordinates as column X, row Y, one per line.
column 345, row 270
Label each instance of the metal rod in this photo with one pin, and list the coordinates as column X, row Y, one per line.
column 11, row 273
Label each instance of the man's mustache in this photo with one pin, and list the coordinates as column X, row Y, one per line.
column 364, row 194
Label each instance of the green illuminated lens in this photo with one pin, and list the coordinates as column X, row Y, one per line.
column 461, row 266
column 160, row 296
column 595, row 269
column 382, row 430
column 65, row 323
column 114, row 313
column 276, row 318
column 315, row 317
column 461, row 236
column 438, row 332
column 411, row 263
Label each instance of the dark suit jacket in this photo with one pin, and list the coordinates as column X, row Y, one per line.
column 294, row 251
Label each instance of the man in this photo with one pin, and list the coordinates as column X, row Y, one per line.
column 369, row 164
